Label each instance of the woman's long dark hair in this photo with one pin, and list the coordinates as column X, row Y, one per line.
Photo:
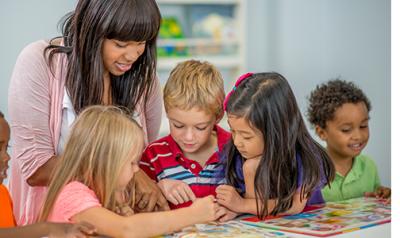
column 267, row 102
column 84, row 31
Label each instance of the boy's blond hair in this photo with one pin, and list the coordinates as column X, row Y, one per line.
column 102, row 141
column 195, row 84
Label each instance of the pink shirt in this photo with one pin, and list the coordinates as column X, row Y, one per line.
column 35, row 103
column 74, row 198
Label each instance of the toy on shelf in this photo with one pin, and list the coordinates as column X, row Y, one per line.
column 171, row 29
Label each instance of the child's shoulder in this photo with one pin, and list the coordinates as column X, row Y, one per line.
column 222, row 133
column 163, row 145
column 163, row 142
column 365, row 163
column 4, row 191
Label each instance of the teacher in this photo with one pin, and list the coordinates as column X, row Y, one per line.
column 106, row 56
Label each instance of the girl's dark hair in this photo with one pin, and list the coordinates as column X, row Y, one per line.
column 267, row 102
column 84, row 31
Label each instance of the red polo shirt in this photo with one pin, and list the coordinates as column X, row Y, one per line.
column 163, row 159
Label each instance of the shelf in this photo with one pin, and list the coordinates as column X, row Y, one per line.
column 196, row 42
column 219, row 61
column 212, row 30
column 191, row 2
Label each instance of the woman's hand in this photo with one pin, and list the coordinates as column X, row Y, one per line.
column 228, row 197
column 148, row 196
column 176, row 191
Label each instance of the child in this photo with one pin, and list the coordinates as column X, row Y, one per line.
column 7, row 221
column 100, row 159
column 272, row 160
column 339, row 111
column 184, row 162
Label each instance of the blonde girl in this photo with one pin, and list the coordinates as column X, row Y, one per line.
column 100, row 159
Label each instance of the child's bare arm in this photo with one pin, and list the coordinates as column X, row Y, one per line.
column 297, row 206
column 150, row 224
column 52, row 230
column 227, row 214
column 229, row 197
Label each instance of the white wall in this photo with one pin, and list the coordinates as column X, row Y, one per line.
column 22, row 22
column 308, row 41
column 312, row 41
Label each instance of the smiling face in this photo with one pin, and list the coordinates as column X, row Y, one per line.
column 191, row 129
column 118, row 56
column 348, row 133
column 248, row 140
column 4, row 156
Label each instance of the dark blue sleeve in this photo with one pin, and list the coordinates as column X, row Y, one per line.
column 316, row 195
column 299, row 171
column 238, row 170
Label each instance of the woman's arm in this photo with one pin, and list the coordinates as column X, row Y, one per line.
column 49, row 229
column 41, row 177
column 154, row 106
column 148, row 195
column 149, row 224
column 29, row 106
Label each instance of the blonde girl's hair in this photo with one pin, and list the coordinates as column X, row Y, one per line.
column 195, row 84
column 102, row 141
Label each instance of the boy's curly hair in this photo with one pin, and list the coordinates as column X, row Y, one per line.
column 327, row 97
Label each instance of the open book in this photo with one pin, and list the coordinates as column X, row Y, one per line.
column 333, row 218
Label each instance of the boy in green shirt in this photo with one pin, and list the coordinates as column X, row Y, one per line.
column 339, row 111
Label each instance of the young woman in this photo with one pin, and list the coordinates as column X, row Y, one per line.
column 106, row 56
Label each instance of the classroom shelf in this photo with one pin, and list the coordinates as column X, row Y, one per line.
column 224, row 49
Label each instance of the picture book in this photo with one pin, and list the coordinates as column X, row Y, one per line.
column 333, row 218
column 230, row 229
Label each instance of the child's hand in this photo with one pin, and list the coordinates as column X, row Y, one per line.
column 124, row 210
column 228, row 197
column 227, row 214
column 176, row 191
column 381, row 192
column 206, row 209
column 78, row 230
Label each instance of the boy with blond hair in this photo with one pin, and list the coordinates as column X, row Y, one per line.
column 185, row 163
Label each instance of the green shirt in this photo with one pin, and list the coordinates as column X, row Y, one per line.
column 363, row 177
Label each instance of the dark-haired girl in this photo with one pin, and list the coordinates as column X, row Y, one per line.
column 273, row 165
column 106, row 56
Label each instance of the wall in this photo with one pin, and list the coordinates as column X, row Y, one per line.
column 22, row 22
column 312, row 41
